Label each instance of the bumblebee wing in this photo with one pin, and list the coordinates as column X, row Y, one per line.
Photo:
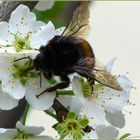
column 78, row 27
column 86, row 68
column 106, row 78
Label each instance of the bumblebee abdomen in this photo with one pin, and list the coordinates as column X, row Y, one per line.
column 86, row 49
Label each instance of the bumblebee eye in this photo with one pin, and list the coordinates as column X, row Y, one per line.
column 39, row 62
column 36, row 64
column 41, row 48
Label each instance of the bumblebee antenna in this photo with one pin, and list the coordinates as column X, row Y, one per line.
column 40, row 75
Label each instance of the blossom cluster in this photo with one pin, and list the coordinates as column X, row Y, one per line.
column 89, row 115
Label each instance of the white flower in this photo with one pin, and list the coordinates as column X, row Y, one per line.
column 22, row 132
column 23, row 32
column 20, row 38
column 102, row 100
column 18, row 82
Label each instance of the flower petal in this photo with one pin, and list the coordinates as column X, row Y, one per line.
column 110, row 65
column 113, row 100
column 11, row 53
column 21, row 17
column 77, row 88
column 116, row 119
column 90, row 136
column 5, row 37
column 42, row 102
column 35, row 26
column 7, row 133
column 7, row 102
column 44, row 5
column 76, row 105
column 5, row 65
column 65, row 100
column 106, row 132
column 43, row 137
column 94, row 112
column 13, row 87
column 42, row 37
column 34, row 130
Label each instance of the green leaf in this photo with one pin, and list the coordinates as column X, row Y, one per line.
column 125, row 136
column 83, row 122
column 71, row 115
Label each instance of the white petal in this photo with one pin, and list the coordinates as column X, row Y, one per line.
column 5, row 65
column 42, row 137
column 44, row 101
column 106, row 132
column 76, row 105
column 116, row 119
column 65, row 100
column 13, row 87
column 110, row 64
column 44, row 5
column 35, row 130
column 113, row 100
column 7, row 102
column 90, row 136
column 35, row 26
column 42, row 37
column 77, row 88
column 59, row 31
column 11, row 53
column 5, row 37
column 94, row 112
column 21, row 14
column 7, row 133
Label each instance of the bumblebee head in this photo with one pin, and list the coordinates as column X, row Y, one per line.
column 40, row 63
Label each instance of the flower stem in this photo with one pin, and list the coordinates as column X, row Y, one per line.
column 65, row 92
column 50, row 113
column 25, row 114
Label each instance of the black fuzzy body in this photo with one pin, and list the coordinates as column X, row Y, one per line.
column 60, row 55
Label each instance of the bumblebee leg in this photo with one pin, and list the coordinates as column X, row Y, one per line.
column 65, row 83
column 28, row 57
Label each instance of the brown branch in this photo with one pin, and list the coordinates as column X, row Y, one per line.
column 59, row 109
column 8, row 119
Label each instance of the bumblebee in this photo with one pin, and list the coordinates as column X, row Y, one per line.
column 70, row 53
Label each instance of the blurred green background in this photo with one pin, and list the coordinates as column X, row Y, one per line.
column 59, row 12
